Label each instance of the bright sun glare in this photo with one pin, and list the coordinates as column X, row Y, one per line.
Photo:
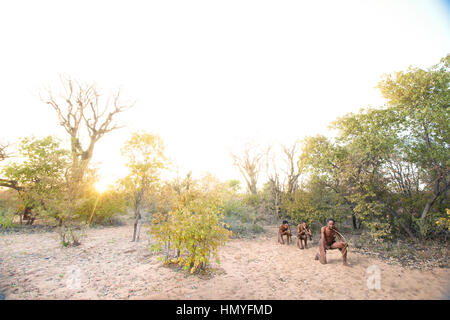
column 101, row 186
column 212, row 76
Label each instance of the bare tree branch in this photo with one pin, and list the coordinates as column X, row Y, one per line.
column 81, row 113
column 292, row 171
column 249, row 164
column 3, row 152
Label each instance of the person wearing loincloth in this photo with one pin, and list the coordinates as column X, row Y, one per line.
column 303, row 232
column 328, row 241
column 284, row 230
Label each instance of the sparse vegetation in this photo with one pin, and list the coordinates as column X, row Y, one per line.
column 385, row 174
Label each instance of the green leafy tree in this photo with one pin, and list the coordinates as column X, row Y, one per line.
column 144, row 153
column 419, row 101
column 40, row 175
column 390, row 165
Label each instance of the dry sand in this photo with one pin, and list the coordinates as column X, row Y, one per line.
column 109, row 266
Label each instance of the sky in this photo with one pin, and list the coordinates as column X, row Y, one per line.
column 210, row 76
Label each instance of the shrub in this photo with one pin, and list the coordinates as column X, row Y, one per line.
column 238, row 209
column 102, row 208
column 71, row 235
column 193, row 229
column 6, row 218
column 241, row 217
column 444, row 223
column 241, row 228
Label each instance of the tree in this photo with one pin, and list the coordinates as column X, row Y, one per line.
column 419, row 100
column 249, row 164
column 329, row 165
column 351, row 166
column 7, row 183
column 292, row 170
column 145, row 160
column 82, row 114
column 371, row 146
column 367, row 141
column 39, row 176
column 3, row 151
column 315, row 202
column 274, row 183
column 390, row 165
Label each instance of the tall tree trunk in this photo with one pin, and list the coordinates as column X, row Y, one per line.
column 137, row 212
column 136, row 221
column 402, row 225
column 428, row 207
column 355, row 226
column 139, row 230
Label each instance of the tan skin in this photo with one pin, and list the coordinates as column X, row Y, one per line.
column 303, row 232
column 328, row 242
column 285, row 230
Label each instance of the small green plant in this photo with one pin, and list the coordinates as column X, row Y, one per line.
column 71, row 235
column 155, row 248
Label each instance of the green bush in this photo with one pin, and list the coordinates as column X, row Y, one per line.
column 241, row 217
column 194, row 229
column 238, row 209
column 101, row 208
column 6, row 218
column 240, row 228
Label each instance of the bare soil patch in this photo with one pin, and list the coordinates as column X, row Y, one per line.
column 109, row 266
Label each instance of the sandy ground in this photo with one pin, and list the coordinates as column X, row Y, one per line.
column 108, row 266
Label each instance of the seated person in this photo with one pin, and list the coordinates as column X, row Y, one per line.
column 285, row 230
column 303, row 232
column 328, row 242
